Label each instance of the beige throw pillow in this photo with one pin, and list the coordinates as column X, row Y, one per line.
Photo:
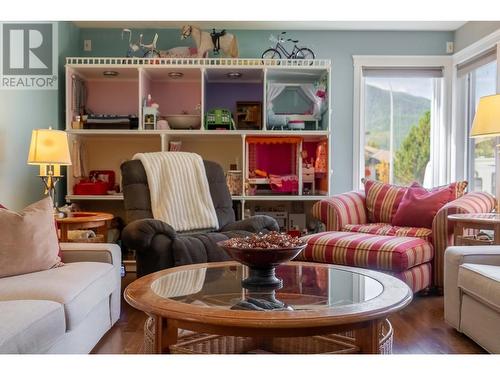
column 28, row 240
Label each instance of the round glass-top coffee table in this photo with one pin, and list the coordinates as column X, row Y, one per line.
column 319, row 308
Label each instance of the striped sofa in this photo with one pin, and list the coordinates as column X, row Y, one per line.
column 414, row 255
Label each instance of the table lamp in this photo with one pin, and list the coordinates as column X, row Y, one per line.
column 487, row 124
column 49, row 149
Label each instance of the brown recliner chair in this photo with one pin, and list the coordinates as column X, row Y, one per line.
column 158, row 245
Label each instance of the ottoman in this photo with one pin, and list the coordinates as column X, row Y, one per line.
column 407, row 258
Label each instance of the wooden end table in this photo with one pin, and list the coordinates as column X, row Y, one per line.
column 463, row 222
column 98, row 221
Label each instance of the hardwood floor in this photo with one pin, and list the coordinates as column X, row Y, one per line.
column 418, row 329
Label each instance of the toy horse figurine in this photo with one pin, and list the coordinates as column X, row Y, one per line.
column 223, row 41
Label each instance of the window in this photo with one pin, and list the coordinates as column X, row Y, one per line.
column 480, row 81
column 397, row 129
column 399, row 119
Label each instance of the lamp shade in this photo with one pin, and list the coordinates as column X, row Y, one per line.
column 49, row 146
column 487, row 119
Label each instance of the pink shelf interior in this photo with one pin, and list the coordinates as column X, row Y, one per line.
column 174, row 98
column 273, row 158
column 114, row 98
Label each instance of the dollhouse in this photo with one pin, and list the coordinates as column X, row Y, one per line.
column 267, row 122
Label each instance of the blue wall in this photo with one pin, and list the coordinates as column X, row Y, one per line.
column 336, row 45
column 21, row 111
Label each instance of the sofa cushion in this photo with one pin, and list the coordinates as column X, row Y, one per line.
column 481, row 282
column 29, row 239
column 382, row 200
column 78, row 286
column 372, row 228
column 33, row 326
column 390, row 253
column 384, row 229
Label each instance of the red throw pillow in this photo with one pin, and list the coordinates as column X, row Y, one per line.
column 382, row 200
column 419, row 206
column 458, row 188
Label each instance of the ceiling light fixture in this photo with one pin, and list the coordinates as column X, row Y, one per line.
column 175, row 75
column 110, row 73
column 234, row 75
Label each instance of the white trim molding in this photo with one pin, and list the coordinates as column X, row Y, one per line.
column 477, row 47
column 459, row 146
column 443, row 173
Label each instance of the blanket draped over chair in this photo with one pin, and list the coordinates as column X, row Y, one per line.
column 179, row 190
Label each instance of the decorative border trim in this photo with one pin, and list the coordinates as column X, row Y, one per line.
column 194, row 62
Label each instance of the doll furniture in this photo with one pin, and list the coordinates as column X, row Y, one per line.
column 414, row 255
column 158, row 245
column 187, row 89
column 274, row 162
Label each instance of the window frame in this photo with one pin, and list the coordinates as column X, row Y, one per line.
column 463, row 161
column 441, row 170
column 469, row 93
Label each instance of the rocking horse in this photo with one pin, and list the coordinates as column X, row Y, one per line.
column 215, row 41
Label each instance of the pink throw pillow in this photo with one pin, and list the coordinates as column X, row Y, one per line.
column 28, row 240
column 419, row 206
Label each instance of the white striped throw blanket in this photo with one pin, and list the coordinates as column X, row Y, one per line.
column 178, row 186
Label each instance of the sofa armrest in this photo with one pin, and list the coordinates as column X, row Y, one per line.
column 254, row 224
column 442, row 231
column 454, row 257
column 140, row 234
column 103, row 253
column 91, row 252
column 342, row 209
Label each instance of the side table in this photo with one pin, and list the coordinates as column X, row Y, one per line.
column 99, row 221
column 462, row 222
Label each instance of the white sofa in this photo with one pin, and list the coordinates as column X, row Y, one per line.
column 62, row 310
column 472, row 293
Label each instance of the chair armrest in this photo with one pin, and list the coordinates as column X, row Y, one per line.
column 254, row 224
column 442, row 231
column 91, row 252
column 454, row 257
column 139, row 234
column 342, row 209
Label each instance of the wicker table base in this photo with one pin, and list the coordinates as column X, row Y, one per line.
column 201, row 343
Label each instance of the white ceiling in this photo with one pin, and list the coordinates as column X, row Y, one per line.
column 282, row 25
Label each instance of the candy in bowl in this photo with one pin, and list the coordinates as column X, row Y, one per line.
column 262, row 253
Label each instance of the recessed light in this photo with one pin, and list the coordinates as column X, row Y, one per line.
column 175, row 75
column 234, row 75
column 110, row 73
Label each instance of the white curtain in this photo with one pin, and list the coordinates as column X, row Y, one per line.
column 273, row 91
column 78, row 157
column 310, row 91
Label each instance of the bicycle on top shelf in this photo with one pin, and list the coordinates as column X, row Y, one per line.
column 279, row 50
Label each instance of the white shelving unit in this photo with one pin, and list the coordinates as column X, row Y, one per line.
column 106, row 149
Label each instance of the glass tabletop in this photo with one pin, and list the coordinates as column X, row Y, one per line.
column 305, row 287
